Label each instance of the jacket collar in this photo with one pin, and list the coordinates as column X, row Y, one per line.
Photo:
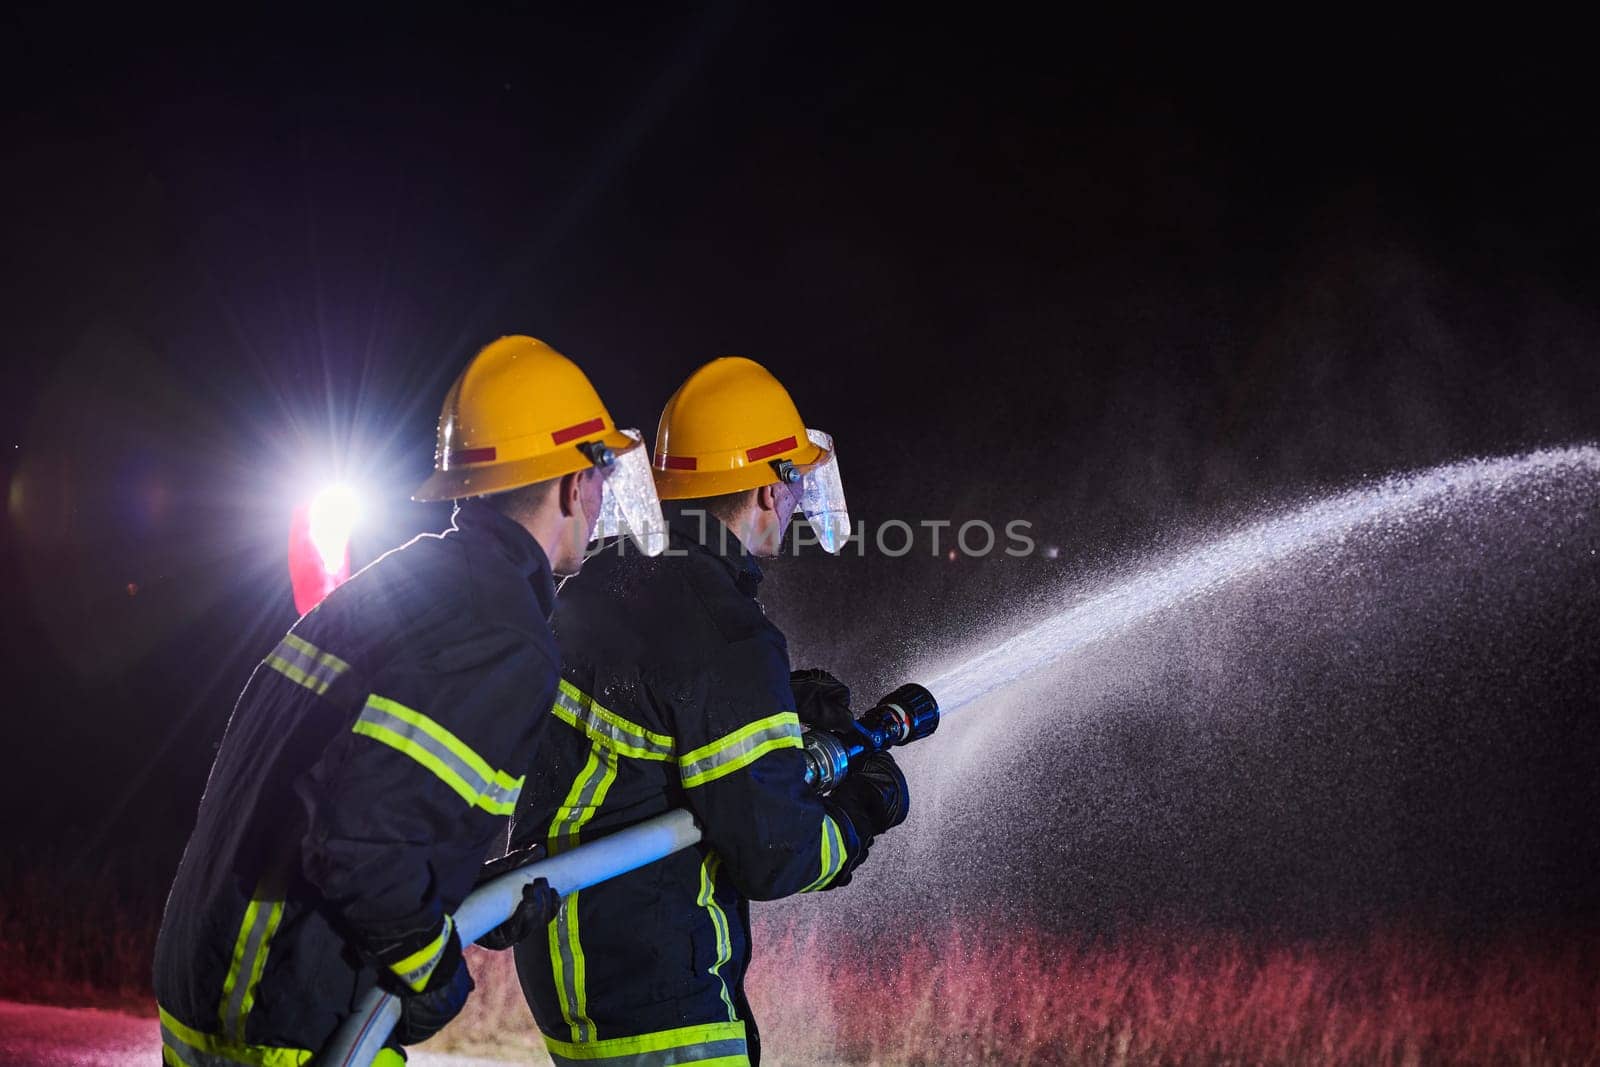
column 700, row 531
column 476, row 520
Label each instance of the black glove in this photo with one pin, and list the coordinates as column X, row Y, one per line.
column 878, row 792
column 821, row 700
column 425, row 1012
column 539, row 905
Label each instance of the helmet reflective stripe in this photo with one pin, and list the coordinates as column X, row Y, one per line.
column 732, row 426
column 468, row 455
column 721, row 430
column 787, row 444
column 512, row 419
column 582, row 429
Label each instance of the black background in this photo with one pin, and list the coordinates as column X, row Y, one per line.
column 1129, row 283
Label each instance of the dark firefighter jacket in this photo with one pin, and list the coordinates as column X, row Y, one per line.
column 369, row 766
column 674, row 693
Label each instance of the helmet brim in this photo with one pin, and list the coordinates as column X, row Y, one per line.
column 483, row 479
column 688, row 485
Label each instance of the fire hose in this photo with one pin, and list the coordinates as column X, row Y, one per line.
column 908, row 714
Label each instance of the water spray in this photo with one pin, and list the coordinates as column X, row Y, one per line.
column 1116, row 607
column 908, row 714
column 911, row 713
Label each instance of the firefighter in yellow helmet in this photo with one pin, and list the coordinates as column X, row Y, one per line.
column 375, row 754
column 676, row 691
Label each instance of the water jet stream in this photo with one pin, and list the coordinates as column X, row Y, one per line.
column 1392, row 501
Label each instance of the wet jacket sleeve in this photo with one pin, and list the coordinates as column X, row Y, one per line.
column 743, row 774
column 402, row 807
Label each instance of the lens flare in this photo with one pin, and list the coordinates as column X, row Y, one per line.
column 333, row 515
column 319, row 544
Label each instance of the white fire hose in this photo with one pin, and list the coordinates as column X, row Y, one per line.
column 362, row 1036
column 908, row 714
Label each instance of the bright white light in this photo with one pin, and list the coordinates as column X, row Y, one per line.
column 333, row 514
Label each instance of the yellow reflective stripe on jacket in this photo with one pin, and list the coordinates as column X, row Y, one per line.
column 833, row 856
column 580, row 710
column 739, row 749
column 417, row 968
column 463, row 770
column 568, row 967
column 305, row 664
column 261, row 918
column 719, row 924
column 719, row 1044
column 583, row 800
column 183, row 1046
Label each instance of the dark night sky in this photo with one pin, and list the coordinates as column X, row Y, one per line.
column 1123, row 287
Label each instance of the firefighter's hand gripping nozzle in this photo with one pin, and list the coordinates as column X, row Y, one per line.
column 908, row 714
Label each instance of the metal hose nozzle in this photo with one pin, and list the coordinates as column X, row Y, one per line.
column 908, row 714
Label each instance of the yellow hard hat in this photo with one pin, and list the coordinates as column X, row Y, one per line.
column 520, row 413
column 731, row 426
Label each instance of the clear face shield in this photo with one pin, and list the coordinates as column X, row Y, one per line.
column 629, row 504
column 822, row 497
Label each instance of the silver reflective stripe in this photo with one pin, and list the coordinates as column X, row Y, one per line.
column 468, row 774
column 833, row 855
column 190, row 1055
column 836, row 839
column 578, row 708
column 374, row 715
column 263, row 920
column 602, row 766
column 588, row 792
column 566, row 924
column 667, row 1057
column 501, row 796
column 305, row 664
column 738, row 751
column 719, row 924
column 418, row 976
column 196, row 1048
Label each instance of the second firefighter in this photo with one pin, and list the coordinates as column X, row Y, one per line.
column 676, row 692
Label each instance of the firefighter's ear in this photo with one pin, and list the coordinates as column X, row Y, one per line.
column 767, row 498
column 569, row 492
